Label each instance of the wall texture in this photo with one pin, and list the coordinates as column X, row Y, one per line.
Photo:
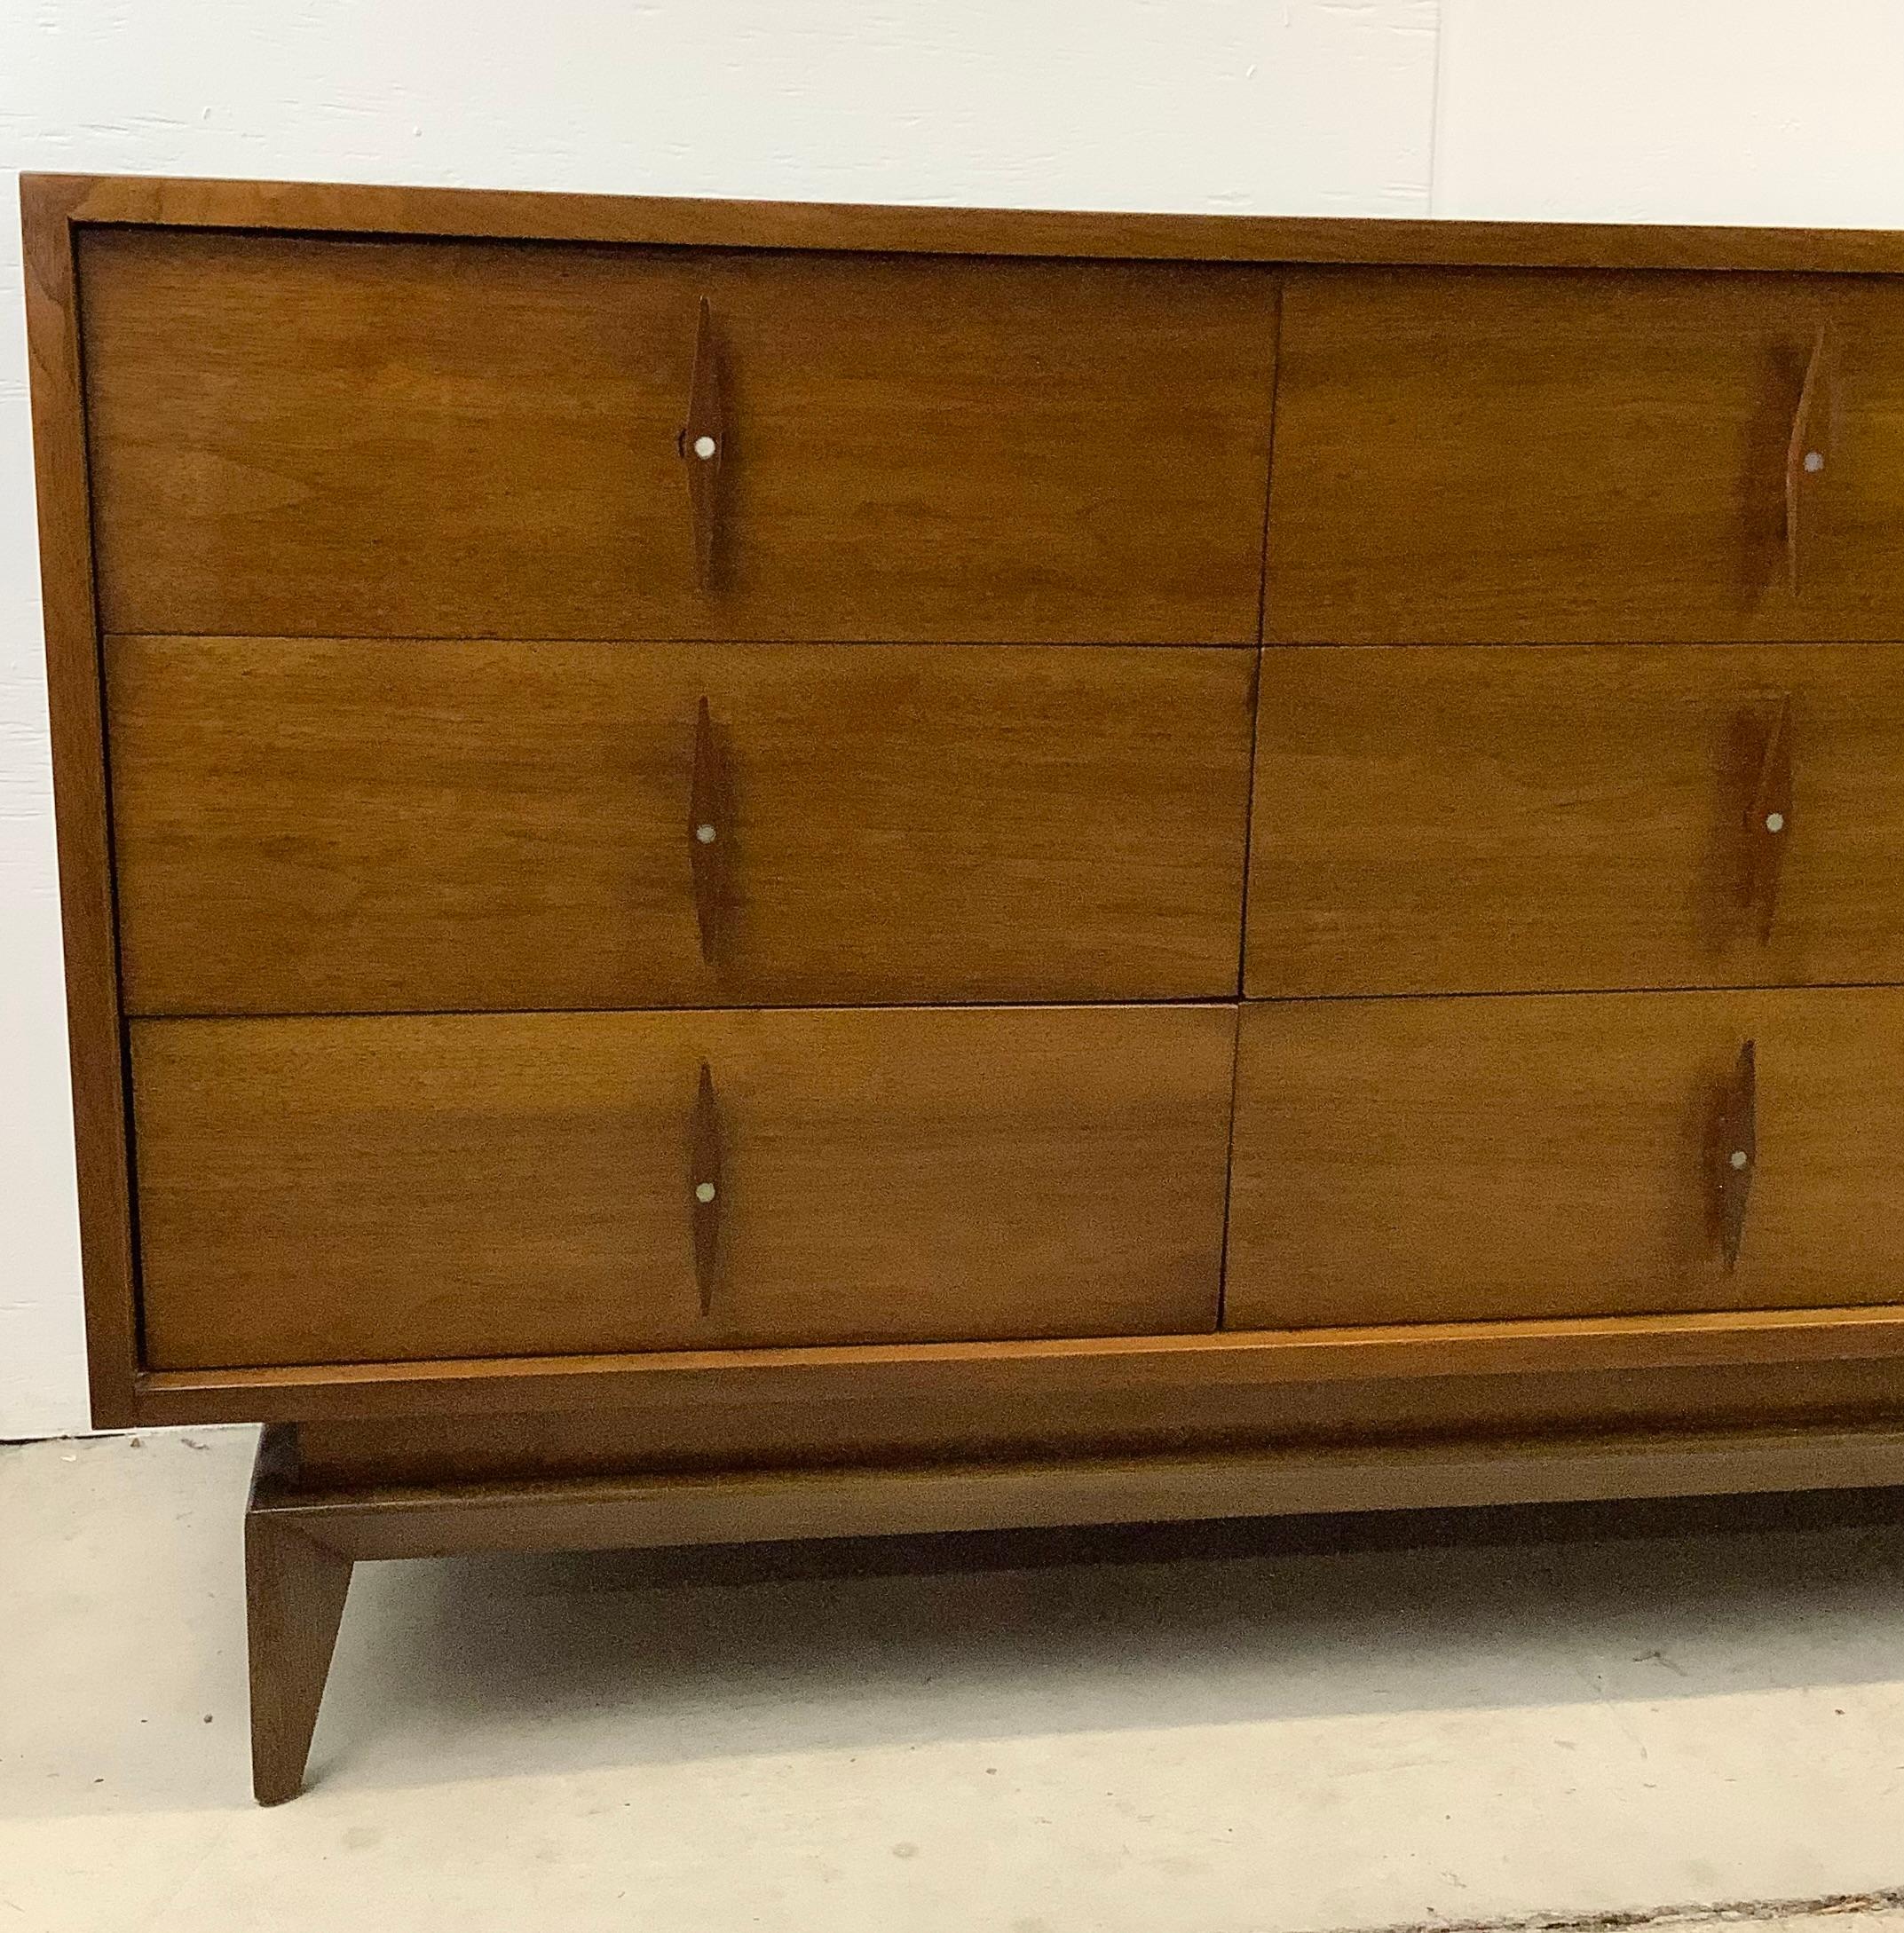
column 1721, row 110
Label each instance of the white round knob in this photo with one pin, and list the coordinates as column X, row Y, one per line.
column 1814, row 461
column 1775, row 822
column 704, row 1191
column 1740, row 1158
column 705, row 447
column 707, row 835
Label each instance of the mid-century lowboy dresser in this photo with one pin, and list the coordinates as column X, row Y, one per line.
column 745, row 872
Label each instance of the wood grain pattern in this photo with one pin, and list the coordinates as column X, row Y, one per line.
column 1165, row 1370
column 314, row 825
column 304, row 437
column 77, row 716
column 1443, row 821
column 1441, row 1160
column 363, row 208
column 1512, row 458
column 393, row 1188
column 1621, row 458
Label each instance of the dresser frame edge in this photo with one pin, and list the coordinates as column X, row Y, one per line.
column 318, row 208
column 81, row 810
column 518, row 1386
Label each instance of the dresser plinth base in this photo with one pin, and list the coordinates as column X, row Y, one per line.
column 301, row 1543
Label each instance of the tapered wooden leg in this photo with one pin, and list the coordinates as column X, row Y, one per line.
column 294, row 1588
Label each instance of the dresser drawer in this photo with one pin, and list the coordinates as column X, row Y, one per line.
column 1430, row 1160
column 1484, row 457
column 490, row 439
column 314, row 825
column 460, row 1186
column 1439, row 820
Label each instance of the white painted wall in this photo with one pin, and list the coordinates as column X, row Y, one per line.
column 1785, row 113
column 1742, row 110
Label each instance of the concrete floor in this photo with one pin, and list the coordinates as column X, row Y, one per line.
column 1272, row 1739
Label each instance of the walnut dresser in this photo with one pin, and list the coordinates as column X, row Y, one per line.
column 741, row 871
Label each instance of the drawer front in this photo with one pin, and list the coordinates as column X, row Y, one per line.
column 315, row 825
column 1478, row 457
column 1431, row 1161
column 1437, row 820
column 391, row 1189
column 486, row 439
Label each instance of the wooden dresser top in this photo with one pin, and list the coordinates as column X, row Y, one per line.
column 315, row 207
